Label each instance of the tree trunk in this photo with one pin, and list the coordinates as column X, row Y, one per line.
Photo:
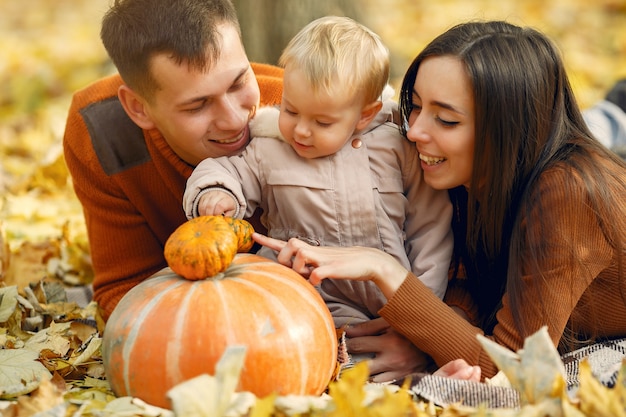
column 268, row 25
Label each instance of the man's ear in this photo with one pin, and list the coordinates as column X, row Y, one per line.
column 135, row 107
column 368, row 113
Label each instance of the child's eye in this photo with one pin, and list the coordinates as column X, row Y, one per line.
column 324, row 124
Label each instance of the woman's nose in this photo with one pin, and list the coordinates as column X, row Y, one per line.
column 416, row 131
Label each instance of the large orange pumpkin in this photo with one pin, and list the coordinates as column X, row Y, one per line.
column 168, row 329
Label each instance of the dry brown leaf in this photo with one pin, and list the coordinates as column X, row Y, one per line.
column 45, row 397
column 82, row 331
column 20, row 372
column 28, row 263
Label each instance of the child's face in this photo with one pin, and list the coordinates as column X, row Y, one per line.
column 319, row 124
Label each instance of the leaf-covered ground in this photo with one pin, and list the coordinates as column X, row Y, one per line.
column 50, row 49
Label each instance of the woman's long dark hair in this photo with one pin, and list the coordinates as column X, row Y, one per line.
column 526, row 120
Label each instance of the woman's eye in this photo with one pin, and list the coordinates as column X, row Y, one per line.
column 447, row 122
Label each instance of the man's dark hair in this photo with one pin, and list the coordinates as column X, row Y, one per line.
column 134, row 31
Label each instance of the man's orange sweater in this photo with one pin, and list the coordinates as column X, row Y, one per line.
column 130, row 183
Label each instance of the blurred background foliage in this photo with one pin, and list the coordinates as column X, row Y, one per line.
column 48, row 49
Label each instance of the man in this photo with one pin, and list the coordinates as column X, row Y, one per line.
column 185, row 92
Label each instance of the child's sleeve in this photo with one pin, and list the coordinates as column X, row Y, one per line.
column 213, row 174
column 429, row 241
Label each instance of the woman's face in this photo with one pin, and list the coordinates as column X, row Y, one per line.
column 441, row 122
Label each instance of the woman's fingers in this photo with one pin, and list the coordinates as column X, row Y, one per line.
column 288, row 253
column 269, row 242
column 303, row 265
column 460, row 369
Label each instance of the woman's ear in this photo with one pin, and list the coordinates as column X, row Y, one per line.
column 368, row 113
column 135, row 106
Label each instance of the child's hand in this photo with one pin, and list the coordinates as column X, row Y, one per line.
column 217, row 203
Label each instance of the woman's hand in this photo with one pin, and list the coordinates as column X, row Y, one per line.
column 354, row 263
column 459, row 369
column 395, row 356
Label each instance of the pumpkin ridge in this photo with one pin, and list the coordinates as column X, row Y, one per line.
column 222, row 296
column 287, row 328
column 283, row 326
column 136, row 328
column 295, row 287
column 174, row 348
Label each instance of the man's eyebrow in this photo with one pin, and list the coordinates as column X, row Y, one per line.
column 194, row 100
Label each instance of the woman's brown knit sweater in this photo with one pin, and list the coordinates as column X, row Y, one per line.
column 581, row 285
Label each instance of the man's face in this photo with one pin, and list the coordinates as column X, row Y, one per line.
column 205, row 114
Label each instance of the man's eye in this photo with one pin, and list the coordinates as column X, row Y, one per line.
column 195, row 109
column 238, row 85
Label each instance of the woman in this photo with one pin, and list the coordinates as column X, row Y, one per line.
column 540, row 207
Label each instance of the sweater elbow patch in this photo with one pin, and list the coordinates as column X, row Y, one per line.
column 117, row 140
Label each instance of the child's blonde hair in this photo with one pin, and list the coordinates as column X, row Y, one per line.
column 337, row 51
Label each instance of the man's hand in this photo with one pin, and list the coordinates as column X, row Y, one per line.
column 395, row 356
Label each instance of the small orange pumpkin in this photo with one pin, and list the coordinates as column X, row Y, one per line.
column 168, row 329
column 243, row 229
column 201, row 247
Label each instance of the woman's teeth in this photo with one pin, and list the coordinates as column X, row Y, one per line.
column 431, row 160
